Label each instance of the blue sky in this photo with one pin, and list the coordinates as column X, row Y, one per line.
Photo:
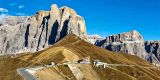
column 103, row 17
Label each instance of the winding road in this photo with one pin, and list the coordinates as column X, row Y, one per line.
column 28, row 76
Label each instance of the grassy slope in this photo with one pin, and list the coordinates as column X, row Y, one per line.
column 71, row 48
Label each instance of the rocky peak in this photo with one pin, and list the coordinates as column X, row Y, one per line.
column 126, row 36
column 128, row 42
column 67, row 10
column 132, row 43
column 41, row 14
column 136, row 35
column 54, row 7
column 34, row 33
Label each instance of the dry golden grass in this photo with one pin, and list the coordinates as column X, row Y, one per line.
column 55, row 73
column 72, row 48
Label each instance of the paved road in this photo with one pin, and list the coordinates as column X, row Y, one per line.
column 25, row 74
column 123, row 65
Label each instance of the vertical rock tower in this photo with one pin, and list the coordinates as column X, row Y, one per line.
column 34, row 33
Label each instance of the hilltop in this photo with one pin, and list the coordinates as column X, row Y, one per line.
column 71, row 49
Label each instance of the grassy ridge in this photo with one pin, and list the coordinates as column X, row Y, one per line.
column 71, row 49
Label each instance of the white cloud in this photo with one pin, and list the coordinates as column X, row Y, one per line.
column 2, row 10
column 20, row 14
column 21, row 6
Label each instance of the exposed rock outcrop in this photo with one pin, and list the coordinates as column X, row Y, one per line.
column 132, row 43
column 129, row 42
column 153, row 47
column 34, row 33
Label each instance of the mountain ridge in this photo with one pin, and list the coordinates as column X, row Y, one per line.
column 71, row 49
column 131, row 42
column 39, row 31
column 42, row 30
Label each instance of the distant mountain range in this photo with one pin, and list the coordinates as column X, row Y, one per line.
column 21, row 34
column 54, row 45
column 132, row 43
column 68, row 55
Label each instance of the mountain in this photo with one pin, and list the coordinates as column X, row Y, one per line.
column 93, row 38
column 128, row 42
column 33, row 33
column 71, row 49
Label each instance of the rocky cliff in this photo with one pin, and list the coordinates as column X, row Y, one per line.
column 153, row 47
column 128, row 42
column 34, row 33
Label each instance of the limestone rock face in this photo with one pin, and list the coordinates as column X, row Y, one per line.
column 153, row 47
column 132, row 43
column 34, row 33
column 129, row 42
